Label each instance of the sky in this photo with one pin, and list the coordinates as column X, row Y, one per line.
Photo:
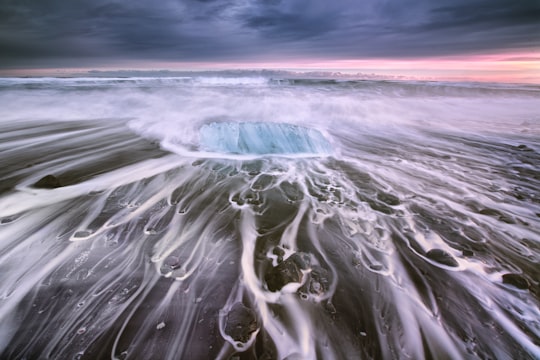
column 477, row 39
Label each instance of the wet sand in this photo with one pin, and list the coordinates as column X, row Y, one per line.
column 405, row 242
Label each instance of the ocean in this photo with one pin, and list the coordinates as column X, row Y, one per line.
column 256, row 216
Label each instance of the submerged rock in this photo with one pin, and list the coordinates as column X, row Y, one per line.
column 442, row 257
column 516, row 280
column 48, row 182
column 240, row 323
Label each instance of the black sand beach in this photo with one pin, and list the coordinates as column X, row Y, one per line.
column 417, row 235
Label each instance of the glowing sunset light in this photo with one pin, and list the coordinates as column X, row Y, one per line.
column 504, row 67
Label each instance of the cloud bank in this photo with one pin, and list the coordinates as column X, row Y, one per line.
column 82, row 32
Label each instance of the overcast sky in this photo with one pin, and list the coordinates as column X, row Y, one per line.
column 60, row 33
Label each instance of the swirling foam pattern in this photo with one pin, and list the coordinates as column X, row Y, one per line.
column 273, row 218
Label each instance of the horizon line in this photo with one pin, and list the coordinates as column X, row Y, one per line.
column 503, row 67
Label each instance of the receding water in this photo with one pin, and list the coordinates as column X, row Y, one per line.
column 172, row 218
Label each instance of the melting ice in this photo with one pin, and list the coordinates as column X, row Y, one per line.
column 262, row 138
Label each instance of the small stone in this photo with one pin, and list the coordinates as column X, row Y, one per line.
column 524, row 147
column 516, row 280
column 388, row 199
column 319, row 281
column 303, row 260
column 6, row 220
column 287, row 271
column 240, row 323
column 172, row 261
column 376, row 267
column 467, row 253
column 442, row 257
column 278, row 251
column 380, row 207
column 48, row 182
column 489, row 212
column 82, row 234
column 507, row 219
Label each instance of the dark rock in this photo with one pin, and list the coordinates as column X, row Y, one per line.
column 388, row 199
column 7, row 220
column 442, row 257
column 507, row 219
column 515, row 280
column 380, row 207
column 490, row 212
column 236, row 199
column 170, row 264
column 279, row 252
column 523, row 147
column 82, row 234
column 319, row 281
column 286, row 272
column 240, row 323
column 48, row 182
column 495, row 213
column 468, row 253
column 301, row 259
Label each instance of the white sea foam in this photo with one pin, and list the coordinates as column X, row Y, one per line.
column 410, row 227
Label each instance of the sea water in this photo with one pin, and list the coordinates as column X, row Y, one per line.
column 224, row 215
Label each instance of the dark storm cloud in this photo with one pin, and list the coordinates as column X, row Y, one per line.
column 299, row 20
column 52, row 32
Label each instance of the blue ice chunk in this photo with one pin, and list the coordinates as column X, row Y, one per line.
column 262, row 138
